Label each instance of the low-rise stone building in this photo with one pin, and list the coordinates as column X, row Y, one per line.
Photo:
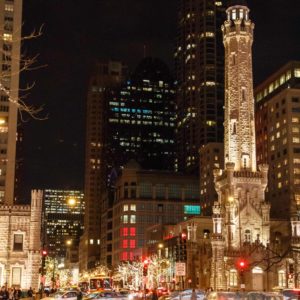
column 20, row 243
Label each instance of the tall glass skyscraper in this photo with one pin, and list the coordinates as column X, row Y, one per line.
column 199, row 59
column 141, row 119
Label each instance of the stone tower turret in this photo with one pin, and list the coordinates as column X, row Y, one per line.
column 239, row 136
column 241, row 209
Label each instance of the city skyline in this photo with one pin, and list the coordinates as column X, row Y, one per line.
column 54, row 153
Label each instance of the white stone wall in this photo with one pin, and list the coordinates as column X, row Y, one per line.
column 25, row 220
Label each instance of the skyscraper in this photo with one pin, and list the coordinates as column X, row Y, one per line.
column 278, row 137
column 141, row 118
column 199, row 59
column 133, row 119
column 63, row 220
column 10, row 26
column 106, row 76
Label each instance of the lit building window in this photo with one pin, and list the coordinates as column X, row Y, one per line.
column 296, row 171
column 91, row 242
column 132, row 219
column 125, row 244
column 125, row 219
column 233, row 277
column 133, row 207
column 132, row 244
column 295, row 129
column 296, row 140
column 125, row 207
column 295, row 120
column 9, row 7
column 297, row 73
column 233, row 16
column 7, row 37
column 281, row 279
column 132, row 231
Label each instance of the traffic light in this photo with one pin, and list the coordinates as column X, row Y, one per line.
column 44, row 254
column 182, row 248
column 242, row 264
column 145, row 267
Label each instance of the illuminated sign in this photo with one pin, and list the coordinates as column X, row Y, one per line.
column 192, row 209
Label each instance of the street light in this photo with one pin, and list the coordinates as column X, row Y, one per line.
column 72, row 201
column 69, row 242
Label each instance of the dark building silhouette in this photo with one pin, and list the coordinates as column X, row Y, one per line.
column 132, row 119
column 141, row 119
column 107, row 75
column 199, row 61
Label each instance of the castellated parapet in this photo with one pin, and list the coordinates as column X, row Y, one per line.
column 20, row 243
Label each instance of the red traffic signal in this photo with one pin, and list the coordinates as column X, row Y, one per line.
column 146, row 261
column 242, row 264
column 44, row 252
column 183, row 235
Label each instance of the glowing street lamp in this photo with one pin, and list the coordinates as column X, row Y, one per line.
column 71, row 201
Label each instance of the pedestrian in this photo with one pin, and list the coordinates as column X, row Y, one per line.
column 11, row 294
column 154, row 295
column 4, row 294
column 30, row 293
column 79, row 295
column 193, row 295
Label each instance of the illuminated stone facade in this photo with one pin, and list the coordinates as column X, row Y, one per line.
column 20, row 243
column 241, row 214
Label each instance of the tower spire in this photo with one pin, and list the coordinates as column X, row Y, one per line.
column 239, row 135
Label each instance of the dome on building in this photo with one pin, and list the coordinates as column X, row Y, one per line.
column 236, row 2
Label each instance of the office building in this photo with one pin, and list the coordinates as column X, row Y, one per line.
column 106, row 76
column 199, row 62
column 20, row 225
column 132, row 119
column 144, row 198
column 63, row 220
column 141, row 120
column 278, row 137
column 10, row 25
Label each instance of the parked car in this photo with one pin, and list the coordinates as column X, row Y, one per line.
column 291, row 294
column 264, row 296
column 68, row 295
column 186, row 295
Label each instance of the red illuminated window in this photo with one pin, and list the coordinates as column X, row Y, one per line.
column 125, row 244
column 124, row 256
column 131, row 255
column 132, row 231
column 124, row 231
column 132, row 244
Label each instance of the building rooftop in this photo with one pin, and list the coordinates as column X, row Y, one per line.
column 286, row 76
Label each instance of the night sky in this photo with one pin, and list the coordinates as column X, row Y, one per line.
column 76, row 32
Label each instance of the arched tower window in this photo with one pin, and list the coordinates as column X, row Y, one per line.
column 281, row 279
column 247, row 236
column 232, row 277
